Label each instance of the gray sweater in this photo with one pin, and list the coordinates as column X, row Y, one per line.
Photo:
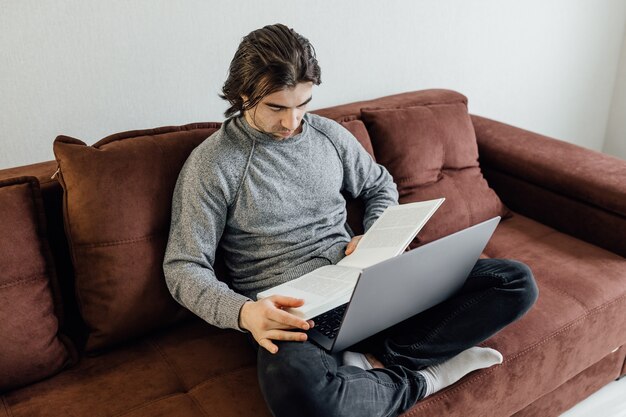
column 274, row 206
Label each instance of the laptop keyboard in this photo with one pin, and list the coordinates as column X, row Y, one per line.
column 329, row 323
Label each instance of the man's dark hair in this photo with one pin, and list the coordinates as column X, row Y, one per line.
column 268, row 60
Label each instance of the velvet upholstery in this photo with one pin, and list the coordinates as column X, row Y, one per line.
column 556, row 355
column 31, row 346
column 593, row 176
column 358, row 129
column 192, row 370
column 556, row 183
column 559, row 338
column 117, row 202
column 585, row 383
column 355, row 206
column 431, row 152
column 52, row 195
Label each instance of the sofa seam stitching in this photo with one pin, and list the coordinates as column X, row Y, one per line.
column 443, row 147
column 171, row 366
column 467, row 205
column 210, row 379
column 412, row 105
column 23, row 280
column 401, row 180
column 217, row 376
column 120, row 242
column 6, row 406
column 174, row 369
column 483, row 375
column 195, row 401
column 139, row 133
column 561, row 291
column 582, row 318
column 140, row 406
column 532, row 239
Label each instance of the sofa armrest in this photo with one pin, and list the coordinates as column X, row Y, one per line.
column 575, row 190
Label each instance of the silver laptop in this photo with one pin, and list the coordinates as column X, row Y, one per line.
column 398, row 288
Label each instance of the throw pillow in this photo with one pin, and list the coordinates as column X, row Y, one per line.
column 117, row 211
column 431, row 152
column 31, row 346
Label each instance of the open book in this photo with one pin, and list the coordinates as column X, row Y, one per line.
column 331, row 286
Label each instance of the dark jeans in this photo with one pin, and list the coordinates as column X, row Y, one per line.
column 305, row 380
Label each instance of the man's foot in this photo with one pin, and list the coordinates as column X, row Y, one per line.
column 365, row 361
column 447, row 373
column 373, row 361
column 356, row 359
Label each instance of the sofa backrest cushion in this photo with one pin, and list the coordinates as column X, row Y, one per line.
column 355, row 206
column 117, row 207
column 426, row 140
column 431, row 152
column 31, row 346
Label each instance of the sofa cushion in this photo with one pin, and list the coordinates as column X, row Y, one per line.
column 431, row 152
column 117, row 205
column 196, row 369
column 358, row 129
column 31, row 346
column 355, row 206
column 193, row 369
column 563, row 334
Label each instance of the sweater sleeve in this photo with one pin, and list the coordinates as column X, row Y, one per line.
column 364, row 178
column 199, row 210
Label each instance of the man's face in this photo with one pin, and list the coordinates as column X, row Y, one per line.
column 279, row 114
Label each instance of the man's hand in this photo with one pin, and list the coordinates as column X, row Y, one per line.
column 353, row 244
column 267, row 320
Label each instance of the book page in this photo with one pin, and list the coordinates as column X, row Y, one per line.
column 391, row 233
column 323, row 289
column 326, row 281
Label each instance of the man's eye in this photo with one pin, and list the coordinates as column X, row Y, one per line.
column 276, row 109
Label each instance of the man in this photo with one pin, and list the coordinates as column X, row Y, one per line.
column 267, row 188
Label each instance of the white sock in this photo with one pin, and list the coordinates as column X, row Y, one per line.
column 356, row 359
column 447, row 373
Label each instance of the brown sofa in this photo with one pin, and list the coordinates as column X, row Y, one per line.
column 88, row 327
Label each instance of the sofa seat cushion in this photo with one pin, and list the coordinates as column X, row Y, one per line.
column 589, row 276
column 197, row 369
column 577, row 321
column 578, row 388
column 117, row 209
column 31, row 345
column 576, row 281
column 191, row 370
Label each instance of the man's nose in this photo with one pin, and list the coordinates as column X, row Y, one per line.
column 291, row 120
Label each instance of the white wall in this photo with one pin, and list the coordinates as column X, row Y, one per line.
column 89, row 68
column 615, row 142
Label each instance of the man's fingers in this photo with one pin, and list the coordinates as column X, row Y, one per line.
column 268, row 345
column 285, row 335
column 349, row 248
column 285, row 318
column 353, row 244
column 284, row 301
